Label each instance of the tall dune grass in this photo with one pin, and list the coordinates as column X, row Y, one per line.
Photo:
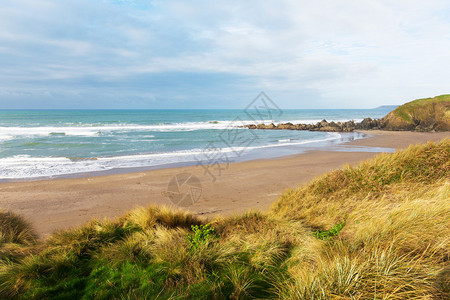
column 394, row 244
column 15, row 229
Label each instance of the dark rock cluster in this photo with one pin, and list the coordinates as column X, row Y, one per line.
column 324, row 125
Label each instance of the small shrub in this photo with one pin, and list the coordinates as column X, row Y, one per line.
column 202, row 234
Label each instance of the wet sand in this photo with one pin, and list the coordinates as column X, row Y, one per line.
column 63, row 203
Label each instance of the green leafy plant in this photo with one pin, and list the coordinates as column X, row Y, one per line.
column 325, row 234
column 202, row 234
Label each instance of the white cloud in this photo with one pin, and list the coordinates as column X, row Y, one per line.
column 351, row 53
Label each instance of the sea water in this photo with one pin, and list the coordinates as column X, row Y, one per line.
column 52, row 143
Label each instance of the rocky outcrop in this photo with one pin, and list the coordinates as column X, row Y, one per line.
column 368, row 124
column 430, row 114
column 323, row 125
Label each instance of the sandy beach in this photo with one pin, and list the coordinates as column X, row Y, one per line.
column 63, row 203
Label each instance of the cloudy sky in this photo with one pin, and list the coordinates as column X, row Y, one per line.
column 221, row 54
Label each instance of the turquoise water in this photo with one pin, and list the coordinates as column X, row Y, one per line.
column 40, row 143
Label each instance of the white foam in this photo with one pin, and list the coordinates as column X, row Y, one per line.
column 90, row 130
column 331, row 136
column 7, row 133
column 5, row 138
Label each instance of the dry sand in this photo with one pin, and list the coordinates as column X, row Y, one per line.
column 63, row 203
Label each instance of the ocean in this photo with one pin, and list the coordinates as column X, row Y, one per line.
column 38, row 144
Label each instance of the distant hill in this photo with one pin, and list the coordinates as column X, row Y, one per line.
column 421, row 115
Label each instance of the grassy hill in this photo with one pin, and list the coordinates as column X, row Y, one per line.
column 378, row 230
column 422, row 115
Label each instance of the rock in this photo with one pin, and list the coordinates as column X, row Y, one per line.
column 330, row 129
column 368, row 124
column 286, row 126
column 334, row 125
column 300, row 127
column 323, row 123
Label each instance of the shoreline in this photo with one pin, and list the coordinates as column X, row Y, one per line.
column 271, row 151
column 254, row 184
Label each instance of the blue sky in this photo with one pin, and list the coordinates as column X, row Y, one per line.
column 221, row 54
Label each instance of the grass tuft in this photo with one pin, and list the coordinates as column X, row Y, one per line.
column 15, row 229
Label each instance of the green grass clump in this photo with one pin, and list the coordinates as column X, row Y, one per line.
column 202, row 235
column 394, row 244
column 325, row 234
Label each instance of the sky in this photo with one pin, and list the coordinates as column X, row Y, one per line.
column 106, row 54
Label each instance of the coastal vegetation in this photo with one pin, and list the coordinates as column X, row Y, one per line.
column 375, row 231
